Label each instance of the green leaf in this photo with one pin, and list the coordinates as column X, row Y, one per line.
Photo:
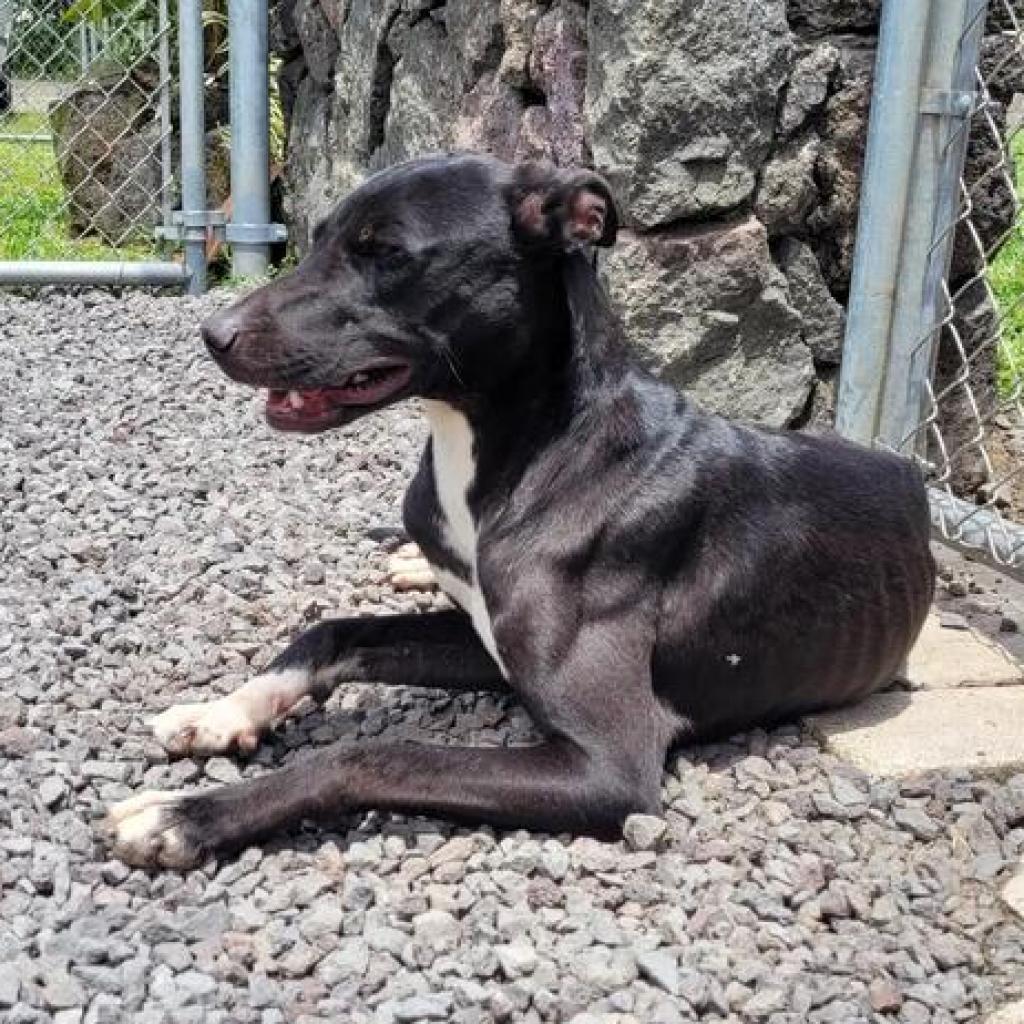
column 94, row 11
column 85, row 10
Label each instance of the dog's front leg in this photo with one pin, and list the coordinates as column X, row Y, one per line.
column 439, row 649
column 601, row 760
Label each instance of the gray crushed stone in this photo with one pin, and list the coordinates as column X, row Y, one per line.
column 157, row 542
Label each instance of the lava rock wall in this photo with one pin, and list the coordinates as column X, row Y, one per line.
column 732, row 132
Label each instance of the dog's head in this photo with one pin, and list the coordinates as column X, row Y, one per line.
column 427, row 280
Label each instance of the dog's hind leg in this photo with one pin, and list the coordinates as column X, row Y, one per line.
column 438, row 649
column 409, row 570
column 602, row 759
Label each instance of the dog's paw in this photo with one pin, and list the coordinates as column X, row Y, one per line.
column 409, row 570
column 152, row 830
column 210, row 728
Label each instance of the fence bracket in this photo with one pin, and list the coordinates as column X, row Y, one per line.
column 193, row 225
column 948, row 103
column 203, row 223
column 255, row 234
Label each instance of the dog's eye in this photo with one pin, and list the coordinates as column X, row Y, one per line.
column 367, row 242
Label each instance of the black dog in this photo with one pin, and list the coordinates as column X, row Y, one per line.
column 636, row 572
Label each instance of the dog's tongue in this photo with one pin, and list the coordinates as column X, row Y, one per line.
column 307, row 406
column 304, row 403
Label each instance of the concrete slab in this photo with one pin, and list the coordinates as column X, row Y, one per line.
column 977, row 728
column 993, row 604
column 1012, row 1014
column 949, row 653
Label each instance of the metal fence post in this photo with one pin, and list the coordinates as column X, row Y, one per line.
column 892, row 130
column 166, row 126
column 250, row 230
column 193, row 138
column 6, row 21
column 948, row 100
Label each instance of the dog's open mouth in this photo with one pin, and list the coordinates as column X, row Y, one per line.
column 320, row 408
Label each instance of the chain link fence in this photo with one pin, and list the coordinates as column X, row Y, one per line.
column 934, row 360
column 85, row 129
column 972, row 427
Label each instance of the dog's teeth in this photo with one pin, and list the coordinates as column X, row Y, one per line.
column 295, row 400
column 360, row 377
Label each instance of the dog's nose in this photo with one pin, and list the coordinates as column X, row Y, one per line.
column 220, row 333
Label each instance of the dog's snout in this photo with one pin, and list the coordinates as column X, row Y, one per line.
column 220, row 333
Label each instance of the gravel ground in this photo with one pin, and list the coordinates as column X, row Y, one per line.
column 158, row 540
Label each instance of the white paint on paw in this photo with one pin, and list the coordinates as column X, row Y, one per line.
column 234, row 721
column 135, row 805
column 143, row 833
column 409, row 570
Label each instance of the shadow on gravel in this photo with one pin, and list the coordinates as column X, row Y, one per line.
column 871, row 712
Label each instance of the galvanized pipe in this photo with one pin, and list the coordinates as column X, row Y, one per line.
column 22, row 138
column 6, row 22
column 929, row 230
column 166, row 127
column 249, row 229
column 971, row 528
column 892, row 131
column 74, row 272
column 193, row 142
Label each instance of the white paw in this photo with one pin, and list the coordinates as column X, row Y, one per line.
column 409, row 570
column 151, row 830
column 209, row 728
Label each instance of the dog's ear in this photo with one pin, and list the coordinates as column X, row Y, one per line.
column 563, row 209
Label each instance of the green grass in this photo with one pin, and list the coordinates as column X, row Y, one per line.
column 1006, row 276
column 32, row 221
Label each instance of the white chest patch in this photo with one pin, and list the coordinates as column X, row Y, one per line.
column 454, row 470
